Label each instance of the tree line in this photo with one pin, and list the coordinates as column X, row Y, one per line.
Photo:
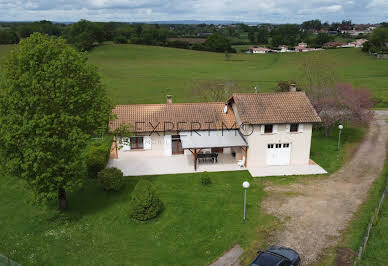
column 84, row 35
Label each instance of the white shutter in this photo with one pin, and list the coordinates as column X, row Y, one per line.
column 125, row 144
column 288, row 126
column 300, row 128
column 167, row 145
column 275, row 129
column 147, row 143
column 262, row 129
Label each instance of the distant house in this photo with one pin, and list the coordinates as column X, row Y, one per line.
column 333, row 44
column 258, row 50
column 356, row 44
column 301, row 47
column 283, row 48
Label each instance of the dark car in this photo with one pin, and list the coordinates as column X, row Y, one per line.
column 277, row 256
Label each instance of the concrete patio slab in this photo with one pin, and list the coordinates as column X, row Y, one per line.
column 138, row 163
column 286, row 170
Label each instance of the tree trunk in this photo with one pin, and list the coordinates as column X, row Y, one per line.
column 62, row 201
column 327, row 131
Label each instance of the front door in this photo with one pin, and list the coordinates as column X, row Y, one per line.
column 176, row 145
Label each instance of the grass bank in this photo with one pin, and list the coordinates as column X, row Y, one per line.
column 376, row 252
column 198, row 224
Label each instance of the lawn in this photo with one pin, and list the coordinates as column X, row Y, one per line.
column 198, row 224
column 324, row 151
column 146, row 74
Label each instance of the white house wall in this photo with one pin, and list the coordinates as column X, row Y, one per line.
column 300, row 144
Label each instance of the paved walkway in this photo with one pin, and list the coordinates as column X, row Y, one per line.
column 231, row 257
column 315, row 212
column 286, row 170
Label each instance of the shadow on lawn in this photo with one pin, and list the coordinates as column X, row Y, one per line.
column 91, row 198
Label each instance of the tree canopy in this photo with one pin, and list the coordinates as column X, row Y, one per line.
column 218, row 43
column 51, row 102
column 378, row 41
column 84, row 34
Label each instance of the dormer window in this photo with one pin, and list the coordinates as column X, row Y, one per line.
column 268, row 129
column 294, row 127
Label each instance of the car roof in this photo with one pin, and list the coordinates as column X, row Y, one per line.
column 284, row 252
column 267, row 259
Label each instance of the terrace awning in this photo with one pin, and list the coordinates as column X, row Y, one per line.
column 196, row 141
column 212, row 139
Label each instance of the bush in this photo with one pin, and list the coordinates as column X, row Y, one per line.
column 111, row 179
column 144, row 204
column 120, row 39
column 205, row 180
column 98, row 157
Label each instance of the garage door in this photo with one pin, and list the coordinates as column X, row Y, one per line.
column 278, row 153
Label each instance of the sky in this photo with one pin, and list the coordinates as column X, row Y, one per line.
column 270, row 11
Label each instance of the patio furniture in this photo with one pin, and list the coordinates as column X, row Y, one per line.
column 204, row 156
column 241, row 163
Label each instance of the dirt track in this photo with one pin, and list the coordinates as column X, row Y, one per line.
column 317, row 211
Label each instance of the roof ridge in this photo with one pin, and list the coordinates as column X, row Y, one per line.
column 261, row 93
column 138, row 104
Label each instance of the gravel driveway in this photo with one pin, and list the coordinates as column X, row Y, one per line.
column 316, row 212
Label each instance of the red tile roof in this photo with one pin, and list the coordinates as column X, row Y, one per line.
column 269, row 108
column 167, row 116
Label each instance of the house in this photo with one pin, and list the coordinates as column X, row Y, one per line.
column 283, row 48
column 302, row 47
column 258, row 50
column 249, row 130
column 333, row 44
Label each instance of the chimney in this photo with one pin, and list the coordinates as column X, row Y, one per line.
column 169, row 98
column 292, row 87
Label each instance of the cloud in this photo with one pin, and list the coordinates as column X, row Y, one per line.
column 378, row 3
column 276, row 11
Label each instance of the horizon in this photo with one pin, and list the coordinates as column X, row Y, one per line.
column 148, row 11
column 191, row 21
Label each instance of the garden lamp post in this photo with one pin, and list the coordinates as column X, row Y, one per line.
column 340, row 127
column 245, row 186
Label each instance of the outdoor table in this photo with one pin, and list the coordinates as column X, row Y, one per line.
column 213, row 156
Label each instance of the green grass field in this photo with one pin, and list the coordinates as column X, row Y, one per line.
column 146, row 74
column 198, row 224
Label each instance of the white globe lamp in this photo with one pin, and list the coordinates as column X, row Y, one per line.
column 245, row 186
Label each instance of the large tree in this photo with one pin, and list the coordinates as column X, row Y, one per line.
column 84, row 35
column 51, row 102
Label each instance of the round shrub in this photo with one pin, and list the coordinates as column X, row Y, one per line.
column 205, row 179
column 111, row 179
column 144, row 204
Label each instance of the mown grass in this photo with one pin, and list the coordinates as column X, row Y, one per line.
column 146, row 74
column 198, row 224
column 324, row 151
column 376, row 252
